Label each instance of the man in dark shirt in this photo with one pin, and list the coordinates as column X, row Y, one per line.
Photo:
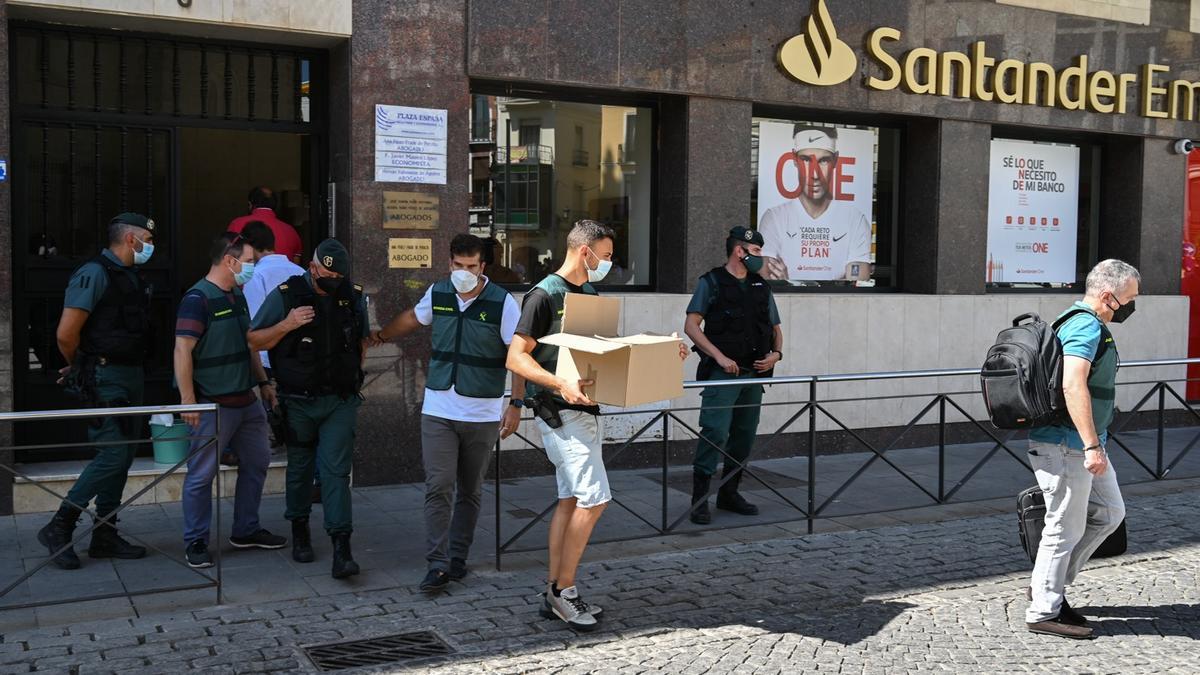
column 214, row 363
column 573, row 436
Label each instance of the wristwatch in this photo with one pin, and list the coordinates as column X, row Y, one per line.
column 779, row 353
column 517, row 403
column 265, row 383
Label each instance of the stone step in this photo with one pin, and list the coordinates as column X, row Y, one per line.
column 29, row 497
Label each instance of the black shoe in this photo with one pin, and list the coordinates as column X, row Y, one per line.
column 106, row 543
column 435, row 581
column 728, row 498
column 343, row 562
column 302, row 550
column 458, row 569
column 1066, row 613
column 229, row 458
column 197, row 554
column 316, row 493
column 260, row 539
column 1060, row 629
column 57, row 534
column 700, row 483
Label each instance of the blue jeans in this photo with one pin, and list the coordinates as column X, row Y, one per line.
column 245, row 431
column 1081, row 511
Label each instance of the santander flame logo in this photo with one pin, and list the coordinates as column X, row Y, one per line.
column 817, row 56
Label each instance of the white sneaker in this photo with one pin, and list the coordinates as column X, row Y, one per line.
column 548, row 613
column 570, row 608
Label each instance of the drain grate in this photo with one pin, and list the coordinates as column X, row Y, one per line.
column 378, row 651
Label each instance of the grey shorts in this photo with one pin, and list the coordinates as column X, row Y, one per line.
column 574, row 449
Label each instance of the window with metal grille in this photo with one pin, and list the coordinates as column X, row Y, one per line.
column 77, row 70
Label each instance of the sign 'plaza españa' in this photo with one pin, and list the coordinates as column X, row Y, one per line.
column 819, row 57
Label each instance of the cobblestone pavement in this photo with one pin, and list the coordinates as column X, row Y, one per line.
column 944, row 596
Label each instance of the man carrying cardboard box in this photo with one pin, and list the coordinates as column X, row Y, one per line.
column 740, row 338
column 568, row 420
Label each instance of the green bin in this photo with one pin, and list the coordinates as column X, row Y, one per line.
column 170, row 443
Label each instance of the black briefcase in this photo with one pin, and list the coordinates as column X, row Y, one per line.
column 1031, row 518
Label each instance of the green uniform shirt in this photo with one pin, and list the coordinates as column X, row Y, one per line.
column 706, row 293
column 271, row 312
column 89, row 282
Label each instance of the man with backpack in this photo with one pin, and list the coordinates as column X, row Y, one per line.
column 1083, row 500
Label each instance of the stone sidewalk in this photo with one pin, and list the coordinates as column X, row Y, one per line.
column 938, row 596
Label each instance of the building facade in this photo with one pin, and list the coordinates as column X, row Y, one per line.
column 654, row 117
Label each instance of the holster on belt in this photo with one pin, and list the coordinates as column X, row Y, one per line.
column 546, row 408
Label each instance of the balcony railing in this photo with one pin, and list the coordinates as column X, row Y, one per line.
column 526, row 154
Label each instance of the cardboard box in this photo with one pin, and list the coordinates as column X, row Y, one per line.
column 628, row 371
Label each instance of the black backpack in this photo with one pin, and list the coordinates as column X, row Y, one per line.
column 1022, row 376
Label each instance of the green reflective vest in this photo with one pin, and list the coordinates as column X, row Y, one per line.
column 1102, row 381
column 221, row 358
column 468, row 349
column 547, row 355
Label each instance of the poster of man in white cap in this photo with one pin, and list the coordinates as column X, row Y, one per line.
column 815, row 189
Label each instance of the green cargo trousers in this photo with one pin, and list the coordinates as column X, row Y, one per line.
column 103, row 479
column 730, row 428
column 321, row 434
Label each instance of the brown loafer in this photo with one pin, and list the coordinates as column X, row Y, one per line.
column 1066, row 613
column 1060, row 629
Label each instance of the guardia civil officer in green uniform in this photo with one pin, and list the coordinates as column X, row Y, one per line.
column 733, row 321
column 315, row 329
column 104, row 335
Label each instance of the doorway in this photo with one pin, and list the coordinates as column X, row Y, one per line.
column 107, row 121
column 217, row 169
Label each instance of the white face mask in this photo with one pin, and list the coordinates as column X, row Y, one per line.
column 464, row 281
column 602, row 268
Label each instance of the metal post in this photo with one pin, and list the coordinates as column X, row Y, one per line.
column 941, row 449
column 216, row 441
column 1162, row 403
column 498, row 506
column 666, row 449
column 812, row 452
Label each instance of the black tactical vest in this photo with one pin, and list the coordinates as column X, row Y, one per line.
column 325, row 356
column 738, row 322
column 118, row 328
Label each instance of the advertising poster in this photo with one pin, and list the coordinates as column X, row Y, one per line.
column 1033, row 212
column 410, row 145
column 815, row 193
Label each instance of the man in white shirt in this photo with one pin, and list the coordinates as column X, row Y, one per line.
column 814, row 236
column 270, row 270
column 464, row 414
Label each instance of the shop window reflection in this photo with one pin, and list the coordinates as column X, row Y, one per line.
column 552, row 163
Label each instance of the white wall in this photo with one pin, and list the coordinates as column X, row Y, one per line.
column 841, row 333
column 325, row 17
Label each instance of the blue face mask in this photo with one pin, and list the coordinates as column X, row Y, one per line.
column 143, row 256
column 242, row 278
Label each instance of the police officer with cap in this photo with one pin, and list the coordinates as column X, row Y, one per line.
column 315, row 328
column 104, row 335
column 734, row 323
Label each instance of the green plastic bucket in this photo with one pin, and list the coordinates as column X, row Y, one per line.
column 170, row 443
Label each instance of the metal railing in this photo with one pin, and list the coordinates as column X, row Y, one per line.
column 815, row 408
column 209, row 443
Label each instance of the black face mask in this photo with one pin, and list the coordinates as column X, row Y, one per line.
column 329, row 284
column 1122, row 312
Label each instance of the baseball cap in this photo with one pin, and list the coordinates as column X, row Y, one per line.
column 742, row 233
column 332, row 255
column 133, row 219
